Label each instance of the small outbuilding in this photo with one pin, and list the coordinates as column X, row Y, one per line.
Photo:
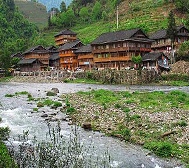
column 155, row 60
column 29, row 65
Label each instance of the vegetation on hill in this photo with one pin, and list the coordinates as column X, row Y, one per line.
column 92, row 19
column 35, row 12
column 16, row 33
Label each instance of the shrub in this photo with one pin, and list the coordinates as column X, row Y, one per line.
column 29, row 96
column 162, row 149
column 4, row 133
column 9, row 95
column 40, row 104
column 5, row 160
column 48, row 102
column 126, row 133
column 82, row 106
column 71, row 110
column 57, row 104
column 0, row 119
column 35, row 109
column 136, row 116
column 21, row 93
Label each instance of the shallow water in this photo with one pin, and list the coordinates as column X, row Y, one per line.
column 16, row 113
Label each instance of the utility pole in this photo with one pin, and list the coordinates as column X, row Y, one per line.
column 117, row 16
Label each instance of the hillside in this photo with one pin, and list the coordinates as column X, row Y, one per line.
column 35, row 12
column 53, row 3
column 144, row 14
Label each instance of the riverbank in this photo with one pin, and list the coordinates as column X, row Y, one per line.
column 30, row 79
column 24, row 117
column 156, row 120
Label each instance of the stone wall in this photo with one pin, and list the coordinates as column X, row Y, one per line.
column 130, row 77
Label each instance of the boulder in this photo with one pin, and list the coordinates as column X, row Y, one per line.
column 55, row 90
column 44, row 115
column 87, row 126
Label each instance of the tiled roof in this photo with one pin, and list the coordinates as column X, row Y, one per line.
column 51, row 48
column 27, row 61
column 118, row 36
column 54, row 56
column 70, row 45
column 151, row 56
column 85, row 49
column 66, row 32
column 160, row 34
column 33, row 48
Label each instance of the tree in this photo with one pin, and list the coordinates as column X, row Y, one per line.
column 137, row 60
column 84, row 13
column 97, row 11
column 104, row 16
column 15, row 61
column 172, row 31
column 183, row 53
column 67, row 18
column 182, row 5
column 5, row 62
column 63, row 7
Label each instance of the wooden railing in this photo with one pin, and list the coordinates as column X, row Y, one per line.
column 67, row 55
column 117, row 49
column 85, row 56
column 127, row 58
column 63, row 37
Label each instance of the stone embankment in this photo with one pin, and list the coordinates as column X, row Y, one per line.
column 107, row 76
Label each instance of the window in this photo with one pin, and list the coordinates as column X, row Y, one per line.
column 124, row 44
column 114, row 46
column 107, row 46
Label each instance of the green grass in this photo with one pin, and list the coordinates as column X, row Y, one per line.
column 35, row 109
column 6, row 79
column 177, row 83
column 86, row 81
column 9, row 95
column 22, row 93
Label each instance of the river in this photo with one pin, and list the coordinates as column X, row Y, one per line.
column 16, row 114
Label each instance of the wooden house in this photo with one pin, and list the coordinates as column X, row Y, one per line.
column 29, row 65
column 68, row 57
column 163, row 44
column 85, row 57
column 54, row 60
column 115, row 49
column 157, row 61
column 65, row 36
column 40, row 53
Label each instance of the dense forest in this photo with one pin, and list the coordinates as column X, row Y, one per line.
column 16, row 33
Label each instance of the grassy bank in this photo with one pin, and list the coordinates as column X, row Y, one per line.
column 86, row 81
column 6, row 79
column 156, row 120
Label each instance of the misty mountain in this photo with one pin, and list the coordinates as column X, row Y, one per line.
column 54, row 3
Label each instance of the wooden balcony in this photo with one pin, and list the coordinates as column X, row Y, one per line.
column 88, row 56
column 126, row 58
column 64, row 37
column 145, row 49
column 86, row 63
column 68, row 55
column 119, row 49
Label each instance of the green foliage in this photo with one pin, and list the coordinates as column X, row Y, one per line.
column 176, row 77
column 126, row 110
column 117, row 106
column 84, row 14
column 67, row 18
column 6, row 161
column 22, row 93
column 96, row 13
column 71, row 110
column 183, row 53
column 162, row 149
column 9, row 95
column 57, row 104
column 48, row 102
column 182, row 5
column 172, row 30
column 181, row 123
column 0, row 119
column 63, row 7
column 6, row 79
column 137, row 59
column 35, row 109
column 4, row 133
